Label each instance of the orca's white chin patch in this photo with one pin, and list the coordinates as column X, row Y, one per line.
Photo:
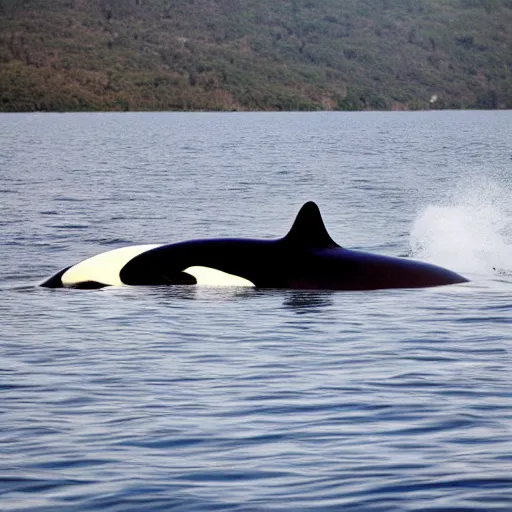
column 206, row 276
column 103, row 268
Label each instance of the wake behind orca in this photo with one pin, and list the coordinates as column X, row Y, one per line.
column 306, row 258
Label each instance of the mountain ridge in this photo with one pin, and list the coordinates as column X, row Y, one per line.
column 74, row 55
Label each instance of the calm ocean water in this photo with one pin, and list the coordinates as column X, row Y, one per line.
column 146, row 399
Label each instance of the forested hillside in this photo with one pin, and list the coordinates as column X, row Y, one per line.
column 68, row 55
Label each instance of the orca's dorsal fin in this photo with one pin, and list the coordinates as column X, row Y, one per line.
column 308, row 230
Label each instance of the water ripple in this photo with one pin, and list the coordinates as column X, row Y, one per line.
column 185, row 399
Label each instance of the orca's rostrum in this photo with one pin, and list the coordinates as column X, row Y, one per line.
column 306, row 258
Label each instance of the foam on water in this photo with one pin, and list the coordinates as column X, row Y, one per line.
column 469, row 231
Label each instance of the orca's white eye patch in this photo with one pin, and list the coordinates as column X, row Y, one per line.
column 103, row 268
column 207, row 276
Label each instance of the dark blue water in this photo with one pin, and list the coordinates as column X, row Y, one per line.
column 202, row 399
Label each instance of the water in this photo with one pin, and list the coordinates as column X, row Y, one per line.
column 130, row 399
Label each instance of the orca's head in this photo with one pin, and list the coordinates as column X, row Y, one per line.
column 56, row 280
column 110, row 269
column 96, row 272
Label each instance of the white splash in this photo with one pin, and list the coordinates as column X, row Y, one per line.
column 469, row 232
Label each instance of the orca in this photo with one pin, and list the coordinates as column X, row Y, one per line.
column 306, row 258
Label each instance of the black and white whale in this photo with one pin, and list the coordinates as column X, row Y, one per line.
column 306, row 258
